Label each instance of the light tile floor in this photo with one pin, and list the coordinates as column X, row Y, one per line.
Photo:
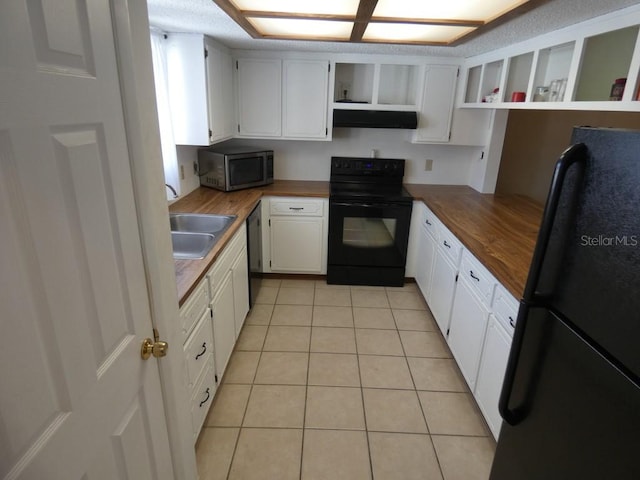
column 335, row 382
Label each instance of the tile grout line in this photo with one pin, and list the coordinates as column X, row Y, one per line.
column 364, row 410
column 306, row 386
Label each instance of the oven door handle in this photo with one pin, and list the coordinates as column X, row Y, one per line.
column 359, row 204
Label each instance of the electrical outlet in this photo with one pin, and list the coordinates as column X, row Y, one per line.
column 428, row 165
column 181, row 172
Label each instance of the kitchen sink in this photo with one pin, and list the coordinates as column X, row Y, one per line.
column 200, row 223
column 193, row 234
column 191, row 246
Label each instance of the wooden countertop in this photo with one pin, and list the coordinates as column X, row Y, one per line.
column 241, row 203
column 500, row 230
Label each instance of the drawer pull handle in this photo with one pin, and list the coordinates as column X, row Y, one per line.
column 477, row 279
column 296, row 208
column 206, row 399
column 428, row 222
column 446, row 244
column 204, row 349
column 512, row 321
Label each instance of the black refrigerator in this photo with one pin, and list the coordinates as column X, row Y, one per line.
column 570, row 401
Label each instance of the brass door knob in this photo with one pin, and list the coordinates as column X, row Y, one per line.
column 153, row 347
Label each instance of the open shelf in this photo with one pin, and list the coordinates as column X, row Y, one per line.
column 554, row 64
column 473, row 84
column 519, row 75
column 354, row 82
column 491, row 75
column 606, row 57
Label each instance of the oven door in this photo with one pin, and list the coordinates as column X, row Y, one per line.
column 368, row 234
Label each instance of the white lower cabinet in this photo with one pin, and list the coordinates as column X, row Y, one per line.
column 466, row 332
column 198, row 352
column 224, row 327
column 297, row 235
column 475, row 313
column 240, row 272
column 427, row 244
column 229, row 284
column 497, row 344
column 211, row 320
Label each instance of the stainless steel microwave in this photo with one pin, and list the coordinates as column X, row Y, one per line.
column 235, row 168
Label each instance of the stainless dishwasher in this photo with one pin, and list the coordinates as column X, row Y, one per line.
column 254, row 251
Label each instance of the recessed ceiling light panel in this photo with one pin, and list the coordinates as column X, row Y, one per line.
column 410, row 33
column 323, row 7
column 485, row 10
column 303, row 29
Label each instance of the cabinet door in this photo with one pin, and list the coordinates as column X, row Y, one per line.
column 296, row 244
column 443, row 286
column 434, row 120
column 240, row 271
column 425, row 260
column 224, row 330
column 259, row 97
column 187, row 85
column 304, row 90
column 466, row 331
column 495, row 355
column 220, row 93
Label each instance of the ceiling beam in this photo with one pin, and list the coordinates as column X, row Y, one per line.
column 365, row 12
column 296, row 16
column 231, row 10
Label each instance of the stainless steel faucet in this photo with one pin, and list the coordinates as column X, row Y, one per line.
column 175, row 194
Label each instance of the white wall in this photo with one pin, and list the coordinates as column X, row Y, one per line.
column 306, row 160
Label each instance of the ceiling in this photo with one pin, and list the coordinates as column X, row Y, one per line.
column 204, row 16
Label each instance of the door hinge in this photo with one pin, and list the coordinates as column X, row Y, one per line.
column 211, row 313
column 206, row 53
column 269, row 263
column 210, row 133
column 458, row 72
column 456, row 277
column 449, row 134
column 236, row 65
column 448, row 331
column 329, row 67
column 326, row 131
column 481, row 155
column 258, row 222
column 269, row 222
column 238, row 128
column 215, row 377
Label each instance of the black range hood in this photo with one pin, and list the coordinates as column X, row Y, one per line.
column 375, row 119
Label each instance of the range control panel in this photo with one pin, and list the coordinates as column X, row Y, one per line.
column 362, row 166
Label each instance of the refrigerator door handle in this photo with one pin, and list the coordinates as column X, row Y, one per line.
column 575, row 153
column 571, row 155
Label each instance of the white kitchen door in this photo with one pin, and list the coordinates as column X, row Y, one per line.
column 76, row 399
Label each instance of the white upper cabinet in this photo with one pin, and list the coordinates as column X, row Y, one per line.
column 304, row 98
column 282, row 98
column 200, row 79
column 259, row 97
column 434, row 117
column 593, row 65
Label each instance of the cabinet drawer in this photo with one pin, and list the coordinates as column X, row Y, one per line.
column 478, row 277
column 505, row 308
column 449, row 244
column 193, row 308
column 295, row 206
column 199, row 347
column 225, row 260
column 202, row 398
column 430, row 222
